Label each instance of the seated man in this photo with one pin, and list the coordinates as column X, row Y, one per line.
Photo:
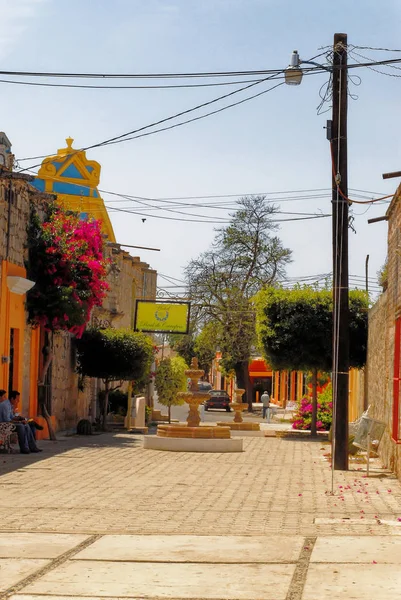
column 14, row 400
column 26, row 440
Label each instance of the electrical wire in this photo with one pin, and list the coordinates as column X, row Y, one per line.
column 212, row 74
column 141, row 214
column 208, row 114
column 373, row 48
column 125, row 137
column 175, row 199
column 128, row 87
column 346, row 197
column 120, row 138
column 204, row 74
column 354, row 54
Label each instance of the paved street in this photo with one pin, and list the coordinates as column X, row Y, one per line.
column 101, row 517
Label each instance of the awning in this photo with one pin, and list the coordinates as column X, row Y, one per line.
column 258, row 368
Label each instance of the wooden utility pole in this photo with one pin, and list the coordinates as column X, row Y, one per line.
column 340, row 252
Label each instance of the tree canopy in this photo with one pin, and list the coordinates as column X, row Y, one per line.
column 114, row 355
column 245, row 257
column 295, row 328
column 203, row 345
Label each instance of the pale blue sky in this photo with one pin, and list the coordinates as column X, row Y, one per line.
column 276, row 142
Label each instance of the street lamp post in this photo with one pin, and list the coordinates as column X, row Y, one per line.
column 337, row 130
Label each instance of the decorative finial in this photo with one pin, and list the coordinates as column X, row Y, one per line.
column 194, row 363
column 69, row 141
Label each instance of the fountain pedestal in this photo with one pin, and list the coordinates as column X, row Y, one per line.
column 238, row 424
column 193, row 437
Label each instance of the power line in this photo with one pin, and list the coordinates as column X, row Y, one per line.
column 206, row 220
column 373, row 48
column 125, row 137
column 128, row 87
column 353, row 54
column 189, row 75
column 121, row 137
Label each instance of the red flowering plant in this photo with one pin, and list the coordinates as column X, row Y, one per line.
column 67, row 264
column 303, row 416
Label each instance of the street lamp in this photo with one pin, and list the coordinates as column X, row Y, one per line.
column 293, row 73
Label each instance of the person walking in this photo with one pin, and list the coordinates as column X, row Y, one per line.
column 266, row 406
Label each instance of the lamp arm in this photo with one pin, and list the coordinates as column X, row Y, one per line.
column 312, row 62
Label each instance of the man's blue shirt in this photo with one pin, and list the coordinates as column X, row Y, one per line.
column 6, row 411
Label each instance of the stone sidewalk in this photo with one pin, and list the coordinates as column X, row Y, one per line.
column 101, row 517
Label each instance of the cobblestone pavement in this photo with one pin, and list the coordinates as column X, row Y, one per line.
column 109, row 484
column 101, row 517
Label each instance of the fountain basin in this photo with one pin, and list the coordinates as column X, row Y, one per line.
column 185, row 431
column 171, row 444
column 240, row 426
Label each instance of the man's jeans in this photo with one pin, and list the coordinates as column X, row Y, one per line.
column 266, row 412
column 26, row 440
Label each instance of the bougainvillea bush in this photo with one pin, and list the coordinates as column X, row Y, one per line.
column 66, row 261
column 303, row 416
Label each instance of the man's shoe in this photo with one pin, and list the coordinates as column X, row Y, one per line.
column 37, row 450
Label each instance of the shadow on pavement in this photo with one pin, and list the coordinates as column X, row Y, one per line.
column 65, row 443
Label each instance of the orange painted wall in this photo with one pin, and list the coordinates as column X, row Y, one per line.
column 12, row 316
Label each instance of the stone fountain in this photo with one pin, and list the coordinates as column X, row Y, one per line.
column 239, row 424
column 192, row 436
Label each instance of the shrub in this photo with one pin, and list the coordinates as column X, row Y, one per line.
column 67, row 264
column 303, row 416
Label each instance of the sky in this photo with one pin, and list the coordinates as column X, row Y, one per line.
column 274, row 143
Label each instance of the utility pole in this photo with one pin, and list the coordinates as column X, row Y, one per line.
column 340, row 252
column 366, row 370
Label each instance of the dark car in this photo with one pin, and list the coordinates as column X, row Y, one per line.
column 204, row 386
column 218, row 399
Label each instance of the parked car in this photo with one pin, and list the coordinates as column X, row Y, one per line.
column 204, row 386
column 218, row 399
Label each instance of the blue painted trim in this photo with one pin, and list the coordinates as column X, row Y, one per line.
column 39, row 184
column 72, row 172
column 59, row 187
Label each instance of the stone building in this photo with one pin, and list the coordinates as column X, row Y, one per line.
column 384, row 346
column 21, row 346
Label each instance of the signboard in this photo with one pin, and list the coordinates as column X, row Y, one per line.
column 162, row 316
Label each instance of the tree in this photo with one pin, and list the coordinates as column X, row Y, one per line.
column 295, row 329
column 202, row 345
column 169, row 380
column 206, row 344
column 244, row 258
column 184, row 345
column 114, row 355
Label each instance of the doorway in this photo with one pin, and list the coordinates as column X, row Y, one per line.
column 13, row 360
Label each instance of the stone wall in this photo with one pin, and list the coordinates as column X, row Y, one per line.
column 14, row 215
column 128, row 278
column 382, row 319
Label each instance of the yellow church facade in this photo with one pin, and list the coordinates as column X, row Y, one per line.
column 75, row 179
